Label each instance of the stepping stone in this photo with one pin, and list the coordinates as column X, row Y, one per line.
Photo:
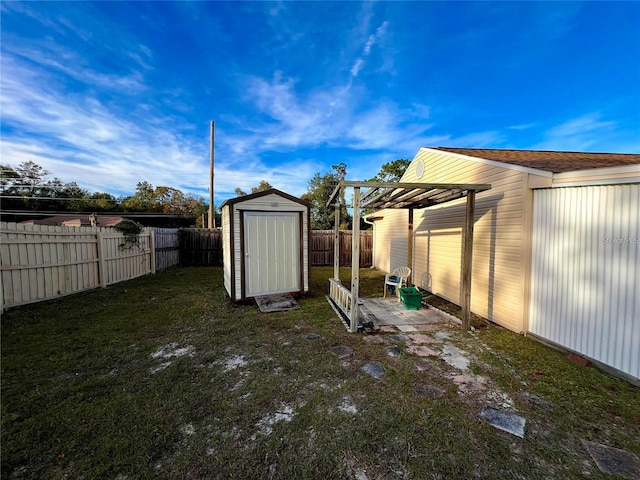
column 423, row 365
column 388, row 329
column 455, row 357
column 393, row 350
column 407, row 328
column 312, row 336
column 373, row 339
column 375, row 369
column 398, row 338
column 614, row 461
column 342, row 352
column 539, row 402
column 421, row 351
column 467, row 384
column 505, row 421
column 425, row 327
column 426, row 390
column 421, row 338
column 441, row 335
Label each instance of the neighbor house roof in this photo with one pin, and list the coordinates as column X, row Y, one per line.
column 551, row 161
column 76, row 221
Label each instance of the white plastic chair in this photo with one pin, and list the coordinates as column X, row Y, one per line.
column 398, row 278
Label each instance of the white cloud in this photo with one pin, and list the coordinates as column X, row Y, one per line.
column 583, row 133
column 371, row 41
column 78, row 138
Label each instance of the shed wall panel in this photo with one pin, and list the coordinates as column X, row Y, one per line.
column 585, row 286
column 234, row 238
column 227, row 249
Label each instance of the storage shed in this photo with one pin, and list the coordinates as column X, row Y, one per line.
column 265, row 244
column 556, row 250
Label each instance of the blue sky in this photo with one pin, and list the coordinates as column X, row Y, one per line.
column 112, row 93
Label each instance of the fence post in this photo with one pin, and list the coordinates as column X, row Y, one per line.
column 102, row 268
column 152, row 243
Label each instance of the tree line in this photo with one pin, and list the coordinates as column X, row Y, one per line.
column 28, row 187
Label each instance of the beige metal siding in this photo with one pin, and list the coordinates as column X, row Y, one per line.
column 586, row 272
column 498, row 277
column 227, row 250
column 272, row 252
column 390, row 241
column 233, row 240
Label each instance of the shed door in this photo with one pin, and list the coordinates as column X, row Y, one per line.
column 585, row 280
column 272, row 252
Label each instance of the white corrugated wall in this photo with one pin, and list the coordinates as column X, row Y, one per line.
column 585, row 282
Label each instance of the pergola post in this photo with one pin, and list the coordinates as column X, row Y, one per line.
column 410, row 242
column 355, row 261
column 467, row 254
column 336, row 243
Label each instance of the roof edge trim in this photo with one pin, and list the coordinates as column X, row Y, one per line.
column 598, row 171
column 493, row 163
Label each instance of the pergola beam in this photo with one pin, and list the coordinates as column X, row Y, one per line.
column 408, row 196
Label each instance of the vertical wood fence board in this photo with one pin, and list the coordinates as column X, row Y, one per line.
column 44, row 262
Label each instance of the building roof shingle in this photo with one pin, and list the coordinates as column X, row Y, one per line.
column 551, row 161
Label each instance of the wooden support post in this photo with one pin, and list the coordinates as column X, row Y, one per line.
column 467, row 260
column 355, row 261
column 336, row 243
column 410, row 243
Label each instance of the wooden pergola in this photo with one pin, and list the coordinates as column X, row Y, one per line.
column 408, row 196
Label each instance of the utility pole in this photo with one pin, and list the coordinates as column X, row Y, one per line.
column 212, row 216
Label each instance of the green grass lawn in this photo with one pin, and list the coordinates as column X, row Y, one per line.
column 161, row 377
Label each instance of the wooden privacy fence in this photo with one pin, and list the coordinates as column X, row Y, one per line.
column 41, row 262
column 200, row 247
column 167, row 246
column 322, row 242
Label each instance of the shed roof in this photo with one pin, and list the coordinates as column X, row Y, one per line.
column 271, row 191
column 551, row 161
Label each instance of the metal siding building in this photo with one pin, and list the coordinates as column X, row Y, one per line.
column 585, row 281
column 541, row 261
column 265, row 245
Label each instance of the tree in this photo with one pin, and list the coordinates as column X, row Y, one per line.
column 392, row 171
column 26, row 187
column 318, row 193
column 262, row 187
column 143, row 200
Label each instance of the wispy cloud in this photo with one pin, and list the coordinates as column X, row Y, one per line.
column 583, row 133
column 366, row 51
column 81, row 139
